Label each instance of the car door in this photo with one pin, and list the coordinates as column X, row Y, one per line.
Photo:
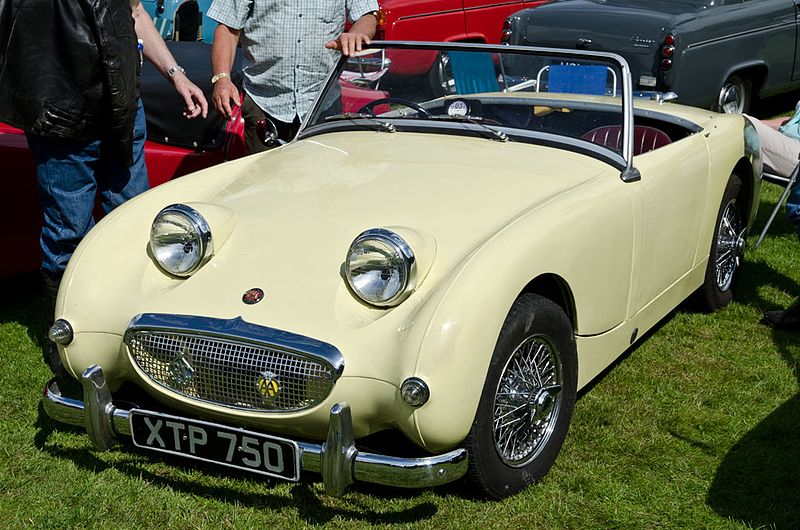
column 674, row 189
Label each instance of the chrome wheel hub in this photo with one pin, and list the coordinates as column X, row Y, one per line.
column 527, row 401
column 731, row 97
column 730, row 246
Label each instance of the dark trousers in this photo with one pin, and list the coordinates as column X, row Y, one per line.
column 252, row 113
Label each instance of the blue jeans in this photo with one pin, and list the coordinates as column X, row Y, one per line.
column 69, row 174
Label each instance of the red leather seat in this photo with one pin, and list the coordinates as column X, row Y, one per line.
column 644, row 138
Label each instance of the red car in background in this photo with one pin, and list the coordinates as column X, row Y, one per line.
column 446, row 21
column 175, row 147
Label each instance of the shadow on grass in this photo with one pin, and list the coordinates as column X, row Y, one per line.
column 23, row 302
column 312, row 507
column 758, row 482
column 755, row 276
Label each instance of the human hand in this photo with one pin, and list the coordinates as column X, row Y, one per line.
column 224, row 93
column 348, row 43
column 196, row 104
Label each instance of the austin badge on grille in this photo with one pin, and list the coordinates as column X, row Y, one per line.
column 181, row 370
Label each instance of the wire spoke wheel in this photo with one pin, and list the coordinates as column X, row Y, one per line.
column 527, row 401
column 729, row 246
column 726, row 256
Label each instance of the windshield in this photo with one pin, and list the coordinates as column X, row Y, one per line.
column 497, row 92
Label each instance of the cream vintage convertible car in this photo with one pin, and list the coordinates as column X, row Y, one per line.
column 450, row 271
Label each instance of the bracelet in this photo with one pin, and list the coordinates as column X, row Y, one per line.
column 173, row 69
column 217, row 77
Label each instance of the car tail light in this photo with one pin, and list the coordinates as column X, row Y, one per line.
column 505, row 37
column 667, row 52
column 380, row 30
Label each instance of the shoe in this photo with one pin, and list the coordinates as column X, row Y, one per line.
column 788, row 319
column 49, row 349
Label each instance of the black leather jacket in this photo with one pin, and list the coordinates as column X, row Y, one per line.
column 69, row 69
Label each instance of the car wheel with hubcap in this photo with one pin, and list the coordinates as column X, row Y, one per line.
column 440, row 77
column 727, row 249
column 527, row 401
column 734, row 95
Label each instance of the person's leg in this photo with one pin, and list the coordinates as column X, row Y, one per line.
column 118, row 183
column 65, row 178
column 778, row 151
column 781, row 154
column 252, row 113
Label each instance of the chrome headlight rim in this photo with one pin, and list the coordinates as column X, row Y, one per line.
column 403, row 249
column 199, row 226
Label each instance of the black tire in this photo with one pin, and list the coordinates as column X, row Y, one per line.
column 538, row 331
column 727, row 250
column 735, row 95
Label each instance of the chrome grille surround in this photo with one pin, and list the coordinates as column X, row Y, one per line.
column 232, row 363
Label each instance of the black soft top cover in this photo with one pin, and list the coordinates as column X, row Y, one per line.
column 164, row 107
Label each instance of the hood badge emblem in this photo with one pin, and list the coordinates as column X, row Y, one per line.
column 253, row 296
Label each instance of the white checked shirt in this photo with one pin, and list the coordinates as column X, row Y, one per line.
column 285, row 60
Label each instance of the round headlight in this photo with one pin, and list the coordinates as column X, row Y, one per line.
column 180, row 240
column 380, row 267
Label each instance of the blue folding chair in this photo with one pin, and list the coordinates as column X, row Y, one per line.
column 473, row 72
column 579, row 79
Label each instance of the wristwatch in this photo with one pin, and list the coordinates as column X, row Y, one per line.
column 176, row 68
column 217, row 77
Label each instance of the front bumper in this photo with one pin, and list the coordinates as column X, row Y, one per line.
column 337, row 459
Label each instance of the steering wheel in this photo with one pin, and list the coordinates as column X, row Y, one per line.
column 370, row 107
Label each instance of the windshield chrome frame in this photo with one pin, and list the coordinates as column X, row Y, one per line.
column 629, row 174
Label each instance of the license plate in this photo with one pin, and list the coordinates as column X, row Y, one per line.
column 211, row 442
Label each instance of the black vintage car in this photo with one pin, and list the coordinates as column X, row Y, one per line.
column 716, row 54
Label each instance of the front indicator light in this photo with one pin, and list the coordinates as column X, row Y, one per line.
column 60, row 332
column 415, row 392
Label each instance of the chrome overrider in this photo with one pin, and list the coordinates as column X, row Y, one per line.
column 337, row 459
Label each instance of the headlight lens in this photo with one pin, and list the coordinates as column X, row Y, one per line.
column 180, row 240
column 380, row 267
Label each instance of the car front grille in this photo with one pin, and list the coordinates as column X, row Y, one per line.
column 232, row 371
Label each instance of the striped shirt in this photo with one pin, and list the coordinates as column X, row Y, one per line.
column 285, row 61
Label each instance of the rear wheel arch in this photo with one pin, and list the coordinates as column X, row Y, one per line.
column 747, row 78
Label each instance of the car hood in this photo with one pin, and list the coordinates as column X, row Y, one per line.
column 322, row 192
column 297, row 209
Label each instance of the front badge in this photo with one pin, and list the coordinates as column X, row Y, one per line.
column 268, row 386
column 253, row 296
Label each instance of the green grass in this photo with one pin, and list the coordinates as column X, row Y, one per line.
column 697, row 427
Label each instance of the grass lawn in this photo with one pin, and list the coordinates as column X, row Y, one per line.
column 698, row 426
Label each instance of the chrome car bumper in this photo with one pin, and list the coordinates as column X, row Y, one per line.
column 337, row 459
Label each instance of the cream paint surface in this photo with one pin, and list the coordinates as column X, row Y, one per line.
column 489, row 217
